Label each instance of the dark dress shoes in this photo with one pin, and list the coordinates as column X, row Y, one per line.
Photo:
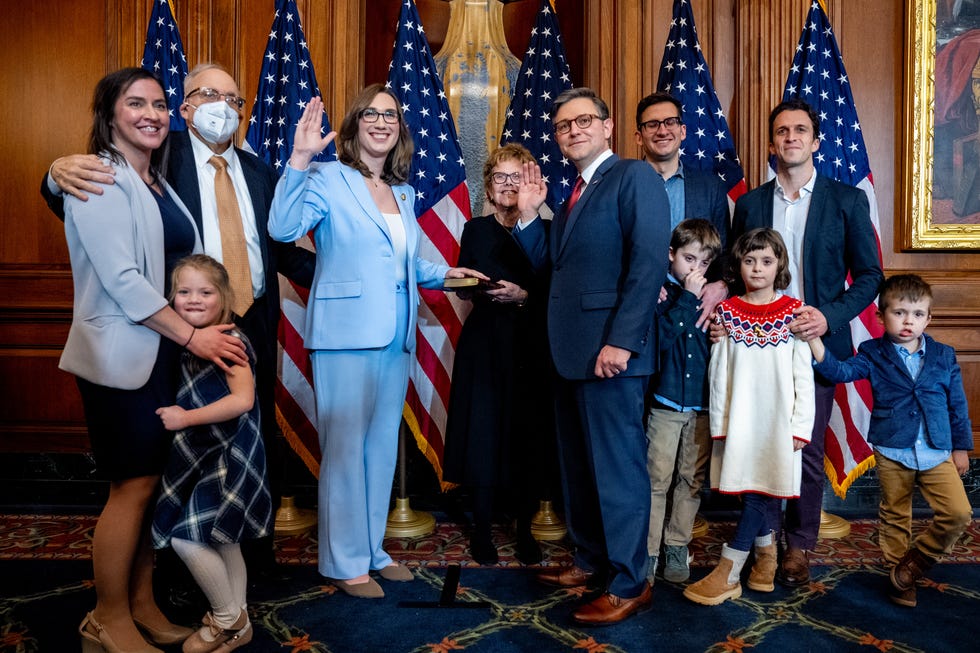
column 611, row 609
column 566, row 577
column 795, row 568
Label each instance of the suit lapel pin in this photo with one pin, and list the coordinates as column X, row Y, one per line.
column 403, row 197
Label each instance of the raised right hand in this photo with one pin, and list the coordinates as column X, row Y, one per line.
column 532, row 191
column 308, row 142
column 77, row 174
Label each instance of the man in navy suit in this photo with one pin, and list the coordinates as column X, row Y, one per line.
column 192, row 176
column 608, row 248
column 828, row 233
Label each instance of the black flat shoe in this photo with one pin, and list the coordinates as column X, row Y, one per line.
column 483, row 550
column 528, row 551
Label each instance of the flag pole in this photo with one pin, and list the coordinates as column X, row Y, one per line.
column 402, row 520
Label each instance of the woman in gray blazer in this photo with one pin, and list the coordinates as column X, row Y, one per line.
column 122, row 245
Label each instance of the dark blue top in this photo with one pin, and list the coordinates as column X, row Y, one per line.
column 178, row 234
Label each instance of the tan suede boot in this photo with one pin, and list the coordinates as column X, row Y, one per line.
column 722, row 583
column 764, row 570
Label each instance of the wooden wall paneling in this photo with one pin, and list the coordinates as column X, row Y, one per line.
column 766, row 37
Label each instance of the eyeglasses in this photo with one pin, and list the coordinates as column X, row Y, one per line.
column 583, row 122
column 211, row 95
column 502, row 178
column 371, row 115
column 654, row 125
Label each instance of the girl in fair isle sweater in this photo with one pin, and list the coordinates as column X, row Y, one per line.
column 761, row 411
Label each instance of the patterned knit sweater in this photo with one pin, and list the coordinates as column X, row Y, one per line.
column 761, row 399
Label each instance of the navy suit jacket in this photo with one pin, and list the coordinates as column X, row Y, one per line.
column 609, row 260
column 839, row 238
column 901, row 402
column 706, row 197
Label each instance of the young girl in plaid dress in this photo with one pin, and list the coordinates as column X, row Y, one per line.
column 761, row 411
column 214, row 490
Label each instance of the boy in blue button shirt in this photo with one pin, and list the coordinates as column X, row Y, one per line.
column 678, row 442
column 919, row 428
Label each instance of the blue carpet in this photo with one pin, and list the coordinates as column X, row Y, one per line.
column 843, row 609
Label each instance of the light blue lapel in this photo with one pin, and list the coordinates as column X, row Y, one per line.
column 358, row 187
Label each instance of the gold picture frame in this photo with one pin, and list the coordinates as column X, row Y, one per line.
column 931, row 220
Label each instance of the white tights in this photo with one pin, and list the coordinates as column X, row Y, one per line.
column 219, row 570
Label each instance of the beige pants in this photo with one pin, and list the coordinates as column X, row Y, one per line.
column 678, row 448
column 941, row 487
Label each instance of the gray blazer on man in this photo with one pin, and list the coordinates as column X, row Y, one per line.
column 115, row 242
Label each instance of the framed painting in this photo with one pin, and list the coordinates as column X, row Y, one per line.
column 942, row 126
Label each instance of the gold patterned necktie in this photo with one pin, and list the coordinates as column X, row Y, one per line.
column 234, row 253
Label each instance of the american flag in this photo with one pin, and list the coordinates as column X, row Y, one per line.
column 286, row 84
column 818, row 77
column 442, row 206
column 544, row 74
column 685, row 75
column 163, row 55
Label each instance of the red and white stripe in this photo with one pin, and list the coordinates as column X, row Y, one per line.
column 847, row 453
column 440, row 320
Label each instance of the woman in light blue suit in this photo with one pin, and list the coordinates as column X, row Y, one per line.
column 122, row 245
column 360, row 318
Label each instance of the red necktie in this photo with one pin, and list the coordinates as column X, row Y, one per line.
column 576, row 193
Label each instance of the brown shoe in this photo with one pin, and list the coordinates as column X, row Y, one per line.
column 368, row 590
column 764, row 569
column 913, row 566
column 903, row 597
column 795, row 570
column 714, row 588
column 611, row 609
column 565, row 577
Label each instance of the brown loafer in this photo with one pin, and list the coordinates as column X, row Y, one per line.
column 611, row 609
column 795, row 568
column 565, row 577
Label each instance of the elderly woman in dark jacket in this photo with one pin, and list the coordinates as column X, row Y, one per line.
column 500, row 431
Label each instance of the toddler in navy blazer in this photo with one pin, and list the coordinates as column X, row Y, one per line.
column 920, row 430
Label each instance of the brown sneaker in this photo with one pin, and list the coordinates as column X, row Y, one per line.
column 764, row 569
column 913, row 566
column 795, row 569
column 903, row 597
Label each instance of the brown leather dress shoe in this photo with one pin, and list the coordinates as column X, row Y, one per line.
column 795, row 568
column 565, row 577
column 611, row 609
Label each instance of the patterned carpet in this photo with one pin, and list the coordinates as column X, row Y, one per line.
column 45, row 589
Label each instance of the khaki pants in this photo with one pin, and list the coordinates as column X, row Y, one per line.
column 941, row 487
column 679, row 445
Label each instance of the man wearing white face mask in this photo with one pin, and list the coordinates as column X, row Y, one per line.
column 212, row 109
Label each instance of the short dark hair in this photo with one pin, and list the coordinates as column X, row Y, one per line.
column 795, row 104
column 910, row 287
column 574, row 93
column 750, row 242
column 506, row 152
column 657, row 98
column 399, row 159
column 696, row 230
column 107, row 93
